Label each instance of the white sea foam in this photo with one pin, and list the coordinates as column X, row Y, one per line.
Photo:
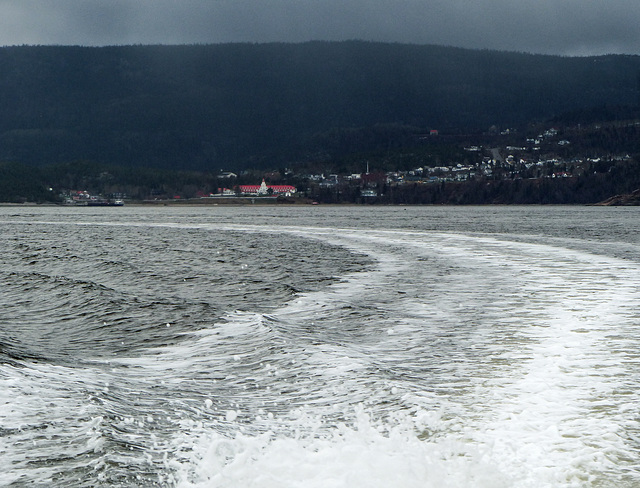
column 365, row 453
column 532, row 413
column 43, row 417
column 454, row 361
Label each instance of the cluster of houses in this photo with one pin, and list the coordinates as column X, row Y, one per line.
column 261, row 190
column 510, row 167
column 83, row 197
column 529, row 157
column 507, row 162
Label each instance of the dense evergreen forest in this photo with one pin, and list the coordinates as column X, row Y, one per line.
column 235, row 106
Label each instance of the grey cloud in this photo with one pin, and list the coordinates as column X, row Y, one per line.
column 543, row 26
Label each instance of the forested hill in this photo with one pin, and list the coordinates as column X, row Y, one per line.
column 234, row 105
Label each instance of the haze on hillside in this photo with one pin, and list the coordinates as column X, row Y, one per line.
column 567, row 27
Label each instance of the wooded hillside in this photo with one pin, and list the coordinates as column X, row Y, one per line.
column 265, row 105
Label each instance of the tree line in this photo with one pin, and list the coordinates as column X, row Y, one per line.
column 20, row 183
column 234, row 106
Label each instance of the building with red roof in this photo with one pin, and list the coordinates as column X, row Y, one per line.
column 263, row 189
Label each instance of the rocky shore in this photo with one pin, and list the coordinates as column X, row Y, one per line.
column 629, row 199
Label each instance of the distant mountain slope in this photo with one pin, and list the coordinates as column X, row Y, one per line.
column 211, row 106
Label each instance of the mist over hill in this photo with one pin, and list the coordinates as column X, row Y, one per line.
column 232, row 106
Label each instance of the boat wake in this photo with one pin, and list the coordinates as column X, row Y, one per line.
column 445, row 360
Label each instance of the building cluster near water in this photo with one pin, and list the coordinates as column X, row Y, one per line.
column 508, row 168
column 83, row 197
column 534, row 158
column 550, row 154
column 261, row 190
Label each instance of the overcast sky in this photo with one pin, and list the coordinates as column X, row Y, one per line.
column 567, row 27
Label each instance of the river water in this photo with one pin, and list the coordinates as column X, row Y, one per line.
column 320, row 347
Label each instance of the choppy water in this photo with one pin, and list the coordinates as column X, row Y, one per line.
column 320, row 347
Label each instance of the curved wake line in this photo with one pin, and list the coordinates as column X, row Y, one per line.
column 560, row 407
column 508, row 363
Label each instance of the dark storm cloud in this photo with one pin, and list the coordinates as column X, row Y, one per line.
column 543, row 26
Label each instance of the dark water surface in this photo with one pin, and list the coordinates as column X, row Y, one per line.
column 320, row 346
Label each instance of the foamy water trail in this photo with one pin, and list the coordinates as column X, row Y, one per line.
column 454, row 360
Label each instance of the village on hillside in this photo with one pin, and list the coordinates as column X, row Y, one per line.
column 509, row 157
